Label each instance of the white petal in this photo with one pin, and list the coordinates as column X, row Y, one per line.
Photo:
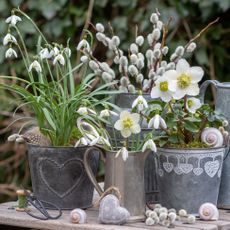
column 135, row 117
column 151, row 122
column 166, row 96
column 193, row 90
column 125, row 154
column 125, row 133
column 182, row 66
column 162, row 123
column 118, row 125
column 180, row 93
column 136, row 128
column 144, row 146
column 197, row 73
column 135, row 102
column 155, row 92
column 170, row 75
column 124, row 114
column 114, row 113
column 156, row 121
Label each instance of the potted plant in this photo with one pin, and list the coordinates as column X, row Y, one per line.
column 56, row 165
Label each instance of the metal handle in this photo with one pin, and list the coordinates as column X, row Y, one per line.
column 89, row 170
column 204, row 87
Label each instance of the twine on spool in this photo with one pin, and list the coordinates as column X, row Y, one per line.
column 22, row 200
column 111, row 190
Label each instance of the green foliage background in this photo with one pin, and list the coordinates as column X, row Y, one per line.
column 63, row 19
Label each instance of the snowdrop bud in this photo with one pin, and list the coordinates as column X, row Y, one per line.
column 100, row 27
column 179, row 51
column 163, row 64
column 123, row 61
column 173, row 57
column 157, row 53
column 141, row 56
column 172, row 216
column 140, row 64
column 160, row 25
column 131, row 88
column 124, row 81
column 163, row 216
column 123, row 89
column 133, row 58
column 93, row 65
column 165, row 50
column 156, row 34
column 150, row 39
column 149, row 54
column 151, row 74
column 115, row 40
column 154, row 18
column 133, row 70
column 182, row 212
column 191, row 219
column 100, row 37
column 160, row 71
column 67, row 51
column 191, row 47
column 149, row 221
column 10, row 53
column 84, row 59
column 134, row 48
column 116, row 59
column 171, row 65
column 139, row 40
column 139, row 78
column 107, row 77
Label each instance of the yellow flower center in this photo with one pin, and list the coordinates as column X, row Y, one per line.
column 164, row 86
column 190, row 103
column 127, row 122
column 184, row 80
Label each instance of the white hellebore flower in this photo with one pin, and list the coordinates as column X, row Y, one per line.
column 140, row 103
column 13, row 19
column 9, row 38
column 186, row 79
column 59, row 58
column 157, row 122
column 108, row 113
column 193, row 104
column 81, row 141
column 149, row 144
column 10, row 52
column 124, row 152
column 44, row 54
column 35, row 65
column 128, row 123
column 85, row 111
column 164, row 87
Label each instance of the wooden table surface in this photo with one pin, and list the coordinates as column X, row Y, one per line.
column 8, row 216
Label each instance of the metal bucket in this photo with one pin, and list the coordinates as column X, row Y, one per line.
column 189, row 177
column 58, row 175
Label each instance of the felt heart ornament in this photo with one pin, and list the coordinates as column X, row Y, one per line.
column 110, row 211
column 211, row 167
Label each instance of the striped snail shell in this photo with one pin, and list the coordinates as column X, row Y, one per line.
column 78, row 216
column 212, row 137
column 208, row 211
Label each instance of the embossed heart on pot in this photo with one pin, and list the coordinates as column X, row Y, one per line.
column 110, row 211
column 168, row 167
column 178, row 170
column 61, row 179
column 186, row 168
column 198, row 171
column 211, row 167
column 160, row 172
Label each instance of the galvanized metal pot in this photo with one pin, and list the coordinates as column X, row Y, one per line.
column 223, row 106
column 127, row 176
column 59, row 177
column 189, row 177
column 124, row 101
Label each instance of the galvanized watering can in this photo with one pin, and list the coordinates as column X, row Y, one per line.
column 222, row 105
column 127, row 176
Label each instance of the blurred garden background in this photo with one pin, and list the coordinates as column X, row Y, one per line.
column 64, row 19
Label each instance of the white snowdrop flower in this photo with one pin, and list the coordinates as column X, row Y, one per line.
column 100, row 37
column 164, row 64
column 139, row 40
column 154, row 18
column 192, row 104
column 149, row 144
column 186, row 79
column 108, row 113
column 173, row 57
column 156, row 34
column 133, row 70
column 133, row 58
column 131, row 88
column 84, row 111
column 44, row 53
column 107, row 77
column 157, row 122
column 140, row 103
column 123, row 89
column 149, row 54
column 67, row 51
column 139, row 78
column 160, row 25
column 11, row 53
column 100, row 27
column 191, row 47
column 56, row 51
column 141, row 56
column 13, row 19
column 100, row 140
column 81, row 141
column 93, row 65
column 179, row 51
column 124, row 153
column 225, row 123
column 115, row 40
column 116, row 59
column 140, row 64
column 83, row 44
column 9, row 38
column 150, row 39
column 170, row 66
column 157, row 53
column 165, row 50
column 35, row 65
column 151, row 74
column 160, row 71
column 124, row 81
column 164, row 87
column 123, row 61
column 134, row 48
column 59, row 59
column 84, row 59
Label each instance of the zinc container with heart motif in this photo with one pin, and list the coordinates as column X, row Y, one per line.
column 58, row 175
column 189, row 177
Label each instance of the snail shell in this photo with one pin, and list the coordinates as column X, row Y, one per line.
column 208, row 211
column 78, row 216
column 212, row 137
